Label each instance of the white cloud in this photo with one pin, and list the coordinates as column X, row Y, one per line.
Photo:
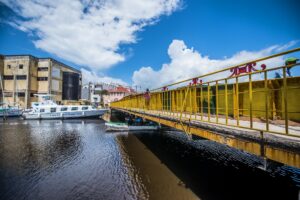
column 90, row 76
column 88, row 32
column 187, row 63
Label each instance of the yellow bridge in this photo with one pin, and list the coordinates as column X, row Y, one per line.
column 253, row 106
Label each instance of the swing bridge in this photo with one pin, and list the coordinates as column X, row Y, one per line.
column 252, row 106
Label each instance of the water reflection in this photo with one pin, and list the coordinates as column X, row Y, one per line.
column 77, row 159
column 215, row 171
column 61, row 160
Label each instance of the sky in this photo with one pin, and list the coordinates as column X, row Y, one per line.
column 151, row 42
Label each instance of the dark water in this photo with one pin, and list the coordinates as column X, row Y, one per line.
column 77, row 159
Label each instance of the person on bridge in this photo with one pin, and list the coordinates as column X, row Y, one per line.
column 147, row 97
column 290, row 62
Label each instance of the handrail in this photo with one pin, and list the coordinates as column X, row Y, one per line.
column 228, row 68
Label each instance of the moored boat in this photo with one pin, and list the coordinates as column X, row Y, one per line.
column 117, row 126
column 48, row 109
column 10, row 111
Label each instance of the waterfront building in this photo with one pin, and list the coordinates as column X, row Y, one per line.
column 26, row 75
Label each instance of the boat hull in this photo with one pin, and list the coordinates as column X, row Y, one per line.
column 10, row 113
column 65, row 115
column 125, row 127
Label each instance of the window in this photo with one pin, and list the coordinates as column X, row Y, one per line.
column 74, row 108
column 64, row 109
column 8, row 66
column 8, row 94
column 85, row 108
column 20, row 94
column 52, row 109
column 20, row 66
column 10, row 77
column 42, row 68
column 42, row 110
column 42, row 78
column 21, row 77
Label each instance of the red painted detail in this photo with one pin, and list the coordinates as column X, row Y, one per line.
column 250, row 67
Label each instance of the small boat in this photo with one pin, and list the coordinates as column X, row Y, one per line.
column 117, row 126
column 48, row 109
column 10, row 111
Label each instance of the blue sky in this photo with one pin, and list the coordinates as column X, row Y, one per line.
column 214, row 28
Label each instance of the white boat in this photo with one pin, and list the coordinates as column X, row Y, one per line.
column 48, row 109
column 116, row 126
column 10, row 111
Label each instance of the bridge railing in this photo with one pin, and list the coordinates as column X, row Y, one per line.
column 263, row 95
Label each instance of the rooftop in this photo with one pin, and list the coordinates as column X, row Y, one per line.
column 46, row 58
column 121, row 89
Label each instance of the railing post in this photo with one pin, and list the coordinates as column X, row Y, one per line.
column 191, row 107
column 201, row 100
column 250, row 100
column 286, row 119
column 208, row 100
column 266, row 99
column 237, row 101
column 195, row 101
column 226, row 103
column 217, row 102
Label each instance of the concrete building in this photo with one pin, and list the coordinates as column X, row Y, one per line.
column 25, row 75
column 85, row 92
column 93, row 92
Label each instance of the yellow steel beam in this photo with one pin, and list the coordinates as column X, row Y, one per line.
column 226, row 102
column 286, row 118
column 217, row 102
column 250, row 100
column 266, row 99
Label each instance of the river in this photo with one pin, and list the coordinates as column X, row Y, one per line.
column 77, row 159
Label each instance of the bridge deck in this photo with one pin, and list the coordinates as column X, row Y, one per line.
column 275, row 127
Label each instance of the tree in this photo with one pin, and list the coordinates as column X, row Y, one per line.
column 102, row 92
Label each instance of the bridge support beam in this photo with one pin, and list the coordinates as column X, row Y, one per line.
column 255, row 145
